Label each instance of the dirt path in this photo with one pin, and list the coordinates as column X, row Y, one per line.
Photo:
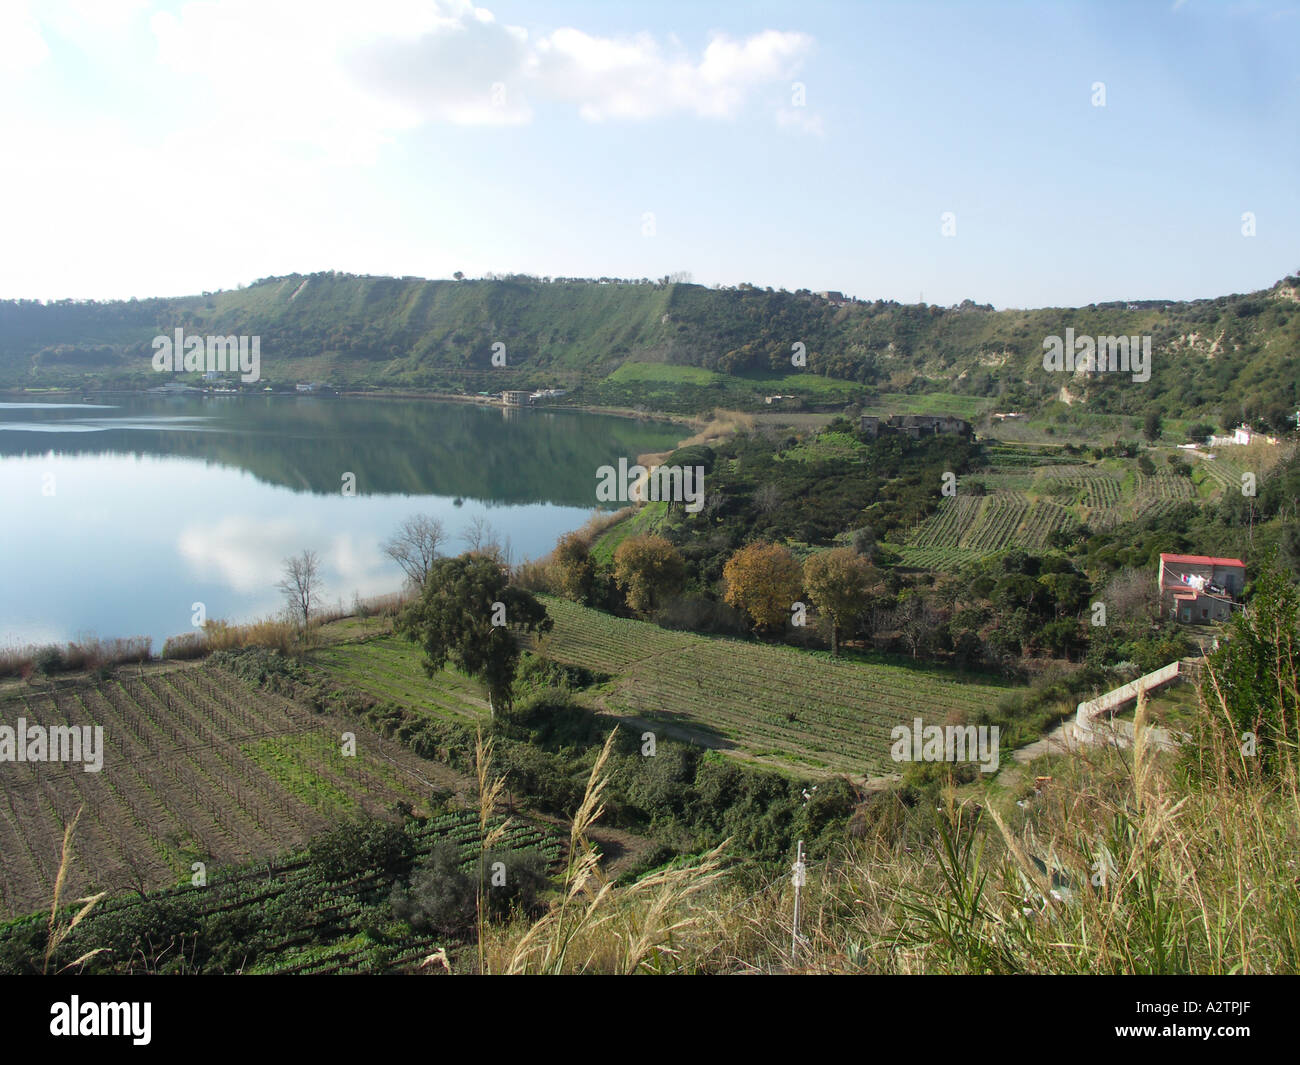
column 1065, row 739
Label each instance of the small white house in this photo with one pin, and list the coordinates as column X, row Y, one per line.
column 1241, row 435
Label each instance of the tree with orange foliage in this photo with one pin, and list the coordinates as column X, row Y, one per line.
column 763, row 580
column 575, row 574
column 648, row 569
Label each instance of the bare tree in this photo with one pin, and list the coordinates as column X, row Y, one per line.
column 415, row 545
column 767, row 498
column 916, row 620
column 482, row 539
column 301, row 586
column 1128, row 595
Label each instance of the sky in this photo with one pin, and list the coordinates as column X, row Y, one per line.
column 1018, row 154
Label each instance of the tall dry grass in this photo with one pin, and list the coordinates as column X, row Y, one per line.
column 594, row 927
column 58, row 929
column 490, row 789
column 222, row 636
column 83, row 653
column 1127, row 863
column 721, row 425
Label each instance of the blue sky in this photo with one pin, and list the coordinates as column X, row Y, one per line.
column 167, row 148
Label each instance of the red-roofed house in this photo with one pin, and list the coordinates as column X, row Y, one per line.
column 1199, row 588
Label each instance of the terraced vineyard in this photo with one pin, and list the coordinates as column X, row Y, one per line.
column 982, row 525
column 1163, row 486
column 1017, row 480
column 997, row 522
column 1161, row 492
column 1043, row 519
column 948, row 559
column 772, row 704
column 952, row 521
column 1224, row 471
column 1035, row 491
column 1013, row 456
column 196, row 767
column 1087, row 486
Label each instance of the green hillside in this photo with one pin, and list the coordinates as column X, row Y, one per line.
column 680, row 346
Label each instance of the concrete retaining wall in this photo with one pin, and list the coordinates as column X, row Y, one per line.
column 1087, row 713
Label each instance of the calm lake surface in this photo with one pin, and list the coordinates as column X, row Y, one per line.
column 119, row 515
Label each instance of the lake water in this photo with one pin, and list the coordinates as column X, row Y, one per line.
column 119, row 515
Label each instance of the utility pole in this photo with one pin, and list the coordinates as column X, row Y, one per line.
column 799, row 878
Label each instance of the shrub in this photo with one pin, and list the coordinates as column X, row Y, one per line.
column 349, row 851
column 526, row 879
column 48, row 659
column 441, row 896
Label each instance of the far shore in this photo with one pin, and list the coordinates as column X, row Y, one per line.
column 694, row 420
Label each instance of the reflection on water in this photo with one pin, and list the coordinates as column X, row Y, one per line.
column 116, row 524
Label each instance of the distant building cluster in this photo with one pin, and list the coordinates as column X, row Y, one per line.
column 1241, row 435
column 915, row 425
column 524, row 398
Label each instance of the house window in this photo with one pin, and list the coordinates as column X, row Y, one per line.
column 1205, row 612
column 1187, row 613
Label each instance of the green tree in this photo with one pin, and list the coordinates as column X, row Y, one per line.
column 440, row 897
column 470, row 614
column 351, row 849
column 840, row 582
column 1152, row 426
column 1253, row 674
column 1068, row 592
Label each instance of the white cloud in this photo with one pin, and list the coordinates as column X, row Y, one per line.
column 352, row 76
column 465, row 71
column 633, row 78
column 22, row 47
column 228, row 132
column 244, row 553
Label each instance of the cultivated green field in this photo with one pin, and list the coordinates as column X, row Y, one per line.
column 779, row 706
column 389, row 667
column 196, row 767
column 283, row 915
column 776, row 705
column 960, row 406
